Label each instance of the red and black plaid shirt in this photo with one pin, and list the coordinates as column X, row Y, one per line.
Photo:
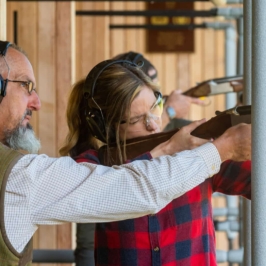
column 180, row 234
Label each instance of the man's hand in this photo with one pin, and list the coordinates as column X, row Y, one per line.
column 180, row 141
column 235, row 143
column 181, row 105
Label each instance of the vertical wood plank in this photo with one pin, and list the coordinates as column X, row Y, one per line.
column 141, row 38
column 183, row 71
column 209, row 72
column 195, row 66
column 171, row 73
column 220, row 65
column 101, row 34
column 157, row 59
column 10, row 8
column 117, row 37
column 85, row 40
column 131, row 35
column 46, row 76
column 65, row 14
column 27, row 39
column 3, row 19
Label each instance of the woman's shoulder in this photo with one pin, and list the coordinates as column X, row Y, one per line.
column 89, row 155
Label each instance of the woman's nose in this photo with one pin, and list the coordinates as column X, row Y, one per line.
column 151, row 125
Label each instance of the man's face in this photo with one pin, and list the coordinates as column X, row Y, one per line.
column 17, row 106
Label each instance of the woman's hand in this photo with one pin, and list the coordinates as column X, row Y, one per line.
column 181, row 141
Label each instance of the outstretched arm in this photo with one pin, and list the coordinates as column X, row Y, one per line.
column 234, row 144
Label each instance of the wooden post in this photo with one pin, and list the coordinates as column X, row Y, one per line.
column 2, row 19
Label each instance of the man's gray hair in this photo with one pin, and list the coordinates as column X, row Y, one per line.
column 16, row 47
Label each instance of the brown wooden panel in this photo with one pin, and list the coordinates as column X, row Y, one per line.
column 131, row 35
column 27, row 39
column 101, row 34
column 219, row 66
column 85, row 40
column 117, row 37
column 3, row 21
column 208, row 67
column 46, row 76
column 158, row 61
column 195, row 66
column 168, row 40
column 141, row 33
column 65, row 15
column 10, row 8
column 172, row 73
column 183, row 71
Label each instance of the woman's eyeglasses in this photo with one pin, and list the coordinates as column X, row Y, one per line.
column 154, row 113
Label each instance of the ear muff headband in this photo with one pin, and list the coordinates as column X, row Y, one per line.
column 3, row 83
column 94, row 116
column 92, row 77
column 3, row 47
column 134, row 57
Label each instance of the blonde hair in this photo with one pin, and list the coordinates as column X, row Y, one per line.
column 115, row 89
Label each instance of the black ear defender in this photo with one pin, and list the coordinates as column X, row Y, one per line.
column 94, row 116
column 3, row 83
column 136, row 58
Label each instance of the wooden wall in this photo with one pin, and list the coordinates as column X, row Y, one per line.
column 175, row 70
column 45, row 30
column 2, row 19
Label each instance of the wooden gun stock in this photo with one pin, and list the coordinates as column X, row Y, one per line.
column 213, row 128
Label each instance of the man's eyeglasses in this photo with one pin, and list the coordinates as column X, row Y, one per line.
column 28, row 85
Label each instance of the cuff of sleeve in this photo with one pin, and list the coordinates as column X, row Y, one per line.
column 211, row 156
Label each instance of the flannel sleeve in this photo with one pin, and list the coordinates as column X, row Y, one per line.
column 234, row 178
column 144, row 156
column 89, row 156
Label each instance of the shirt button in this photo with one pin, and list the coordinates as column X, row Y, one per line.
column 213, row 167
column 156, row 249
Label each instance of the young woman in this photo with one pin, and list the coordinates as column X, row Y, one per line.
column 176, row 105
column 129, row 105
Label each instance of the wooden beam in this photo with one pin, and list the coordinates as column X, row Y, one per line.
column 2, row 19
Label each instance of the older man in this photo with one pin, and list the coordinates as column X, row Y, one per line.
column 38, row 190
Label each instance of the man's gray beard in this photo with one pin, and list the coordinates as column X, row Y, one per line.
column 23, row 138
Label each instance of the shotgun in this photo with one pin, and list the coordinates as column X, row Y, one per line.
column 215, row 86
column 213, row 128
